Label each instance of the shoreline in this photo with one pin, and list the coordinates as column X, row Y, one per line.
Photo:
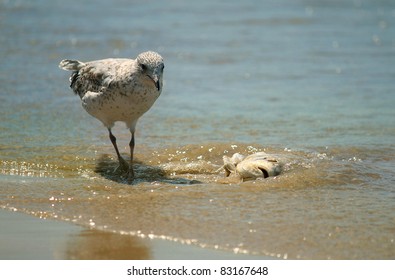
column 25, row 237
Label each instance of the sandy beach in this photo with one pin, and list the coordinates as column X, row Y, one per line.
column 24, row 237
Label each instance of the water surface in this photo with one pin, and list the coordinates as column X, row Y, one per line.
column 311, row 82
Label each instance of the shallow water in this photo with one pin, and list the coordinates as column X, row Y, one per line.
column 310, row 82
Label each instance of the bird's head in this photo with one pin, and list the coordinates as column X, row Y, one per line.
column 151, row 65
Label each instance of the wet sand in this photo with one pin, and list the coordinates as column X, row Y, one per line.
column 24, row 237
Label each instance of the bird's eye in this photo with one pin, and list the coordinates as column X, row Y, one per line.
column 144, row 67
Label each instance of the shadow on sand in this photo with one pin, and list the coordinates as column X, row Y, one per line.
column 106, row 166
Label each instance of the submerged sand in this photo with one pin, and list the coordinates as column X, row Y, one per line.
column 30, row 238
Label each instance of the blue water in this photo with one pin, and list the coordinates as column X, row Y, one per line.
column 309, row 81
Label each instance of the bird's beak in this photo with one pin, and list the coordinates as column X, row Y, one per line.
column 157, row 82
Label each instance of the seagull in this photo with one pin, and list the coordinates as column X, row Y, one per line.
column 118, row 89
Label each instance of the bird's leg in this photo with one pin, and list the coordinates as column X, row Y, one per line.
column 131, row 145
column 123, row 165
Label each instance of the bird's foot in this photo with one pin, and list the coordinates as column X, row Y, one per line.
column 125, row 170
column 130, row 175
column 123, row 166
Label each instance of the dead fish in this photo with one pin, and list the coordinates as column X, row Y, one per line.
column 258, row 165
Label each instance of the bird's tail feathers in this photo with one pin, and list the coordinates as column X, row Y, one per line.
column 71, row 65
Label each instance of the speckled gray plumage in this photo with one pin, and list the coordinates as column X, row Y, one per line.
column 118, row 89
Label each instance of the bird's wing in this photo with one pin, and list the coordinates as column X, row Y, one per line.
column 95, row 76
